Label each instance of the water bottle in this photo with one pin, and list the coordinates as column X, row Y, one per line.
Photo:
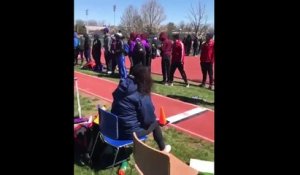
column 123, row 168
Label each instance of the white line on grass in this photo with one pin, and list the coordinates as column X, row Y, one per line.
column 184, row 115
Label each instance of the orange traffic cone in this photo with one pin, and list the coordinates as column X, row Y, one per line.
column 162, row 117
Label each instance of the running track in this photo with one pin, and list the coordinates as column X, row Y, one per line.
column 200, row 125
column 191, row 67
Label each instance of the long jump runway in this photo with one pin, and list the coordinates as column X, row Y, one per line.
column 189, row 118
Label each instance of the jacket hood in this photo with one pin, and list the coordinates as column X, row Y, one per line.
column 163, row 36
column 126, row 87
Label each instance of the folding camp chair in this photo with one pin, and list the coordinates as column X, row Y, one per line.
column 109, row 133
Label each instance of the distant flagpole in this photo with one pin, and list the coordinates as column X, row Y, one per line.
column 114, row 8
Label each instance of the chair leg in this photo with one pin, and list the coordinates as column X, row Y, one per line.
column 113, row 166
column 94, row 146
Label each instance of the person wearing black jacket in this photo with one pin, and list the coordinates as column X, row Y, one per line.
column 119, row 55
column 195, row 45
column 96, row 52
column 188, row 44
column 87, row 47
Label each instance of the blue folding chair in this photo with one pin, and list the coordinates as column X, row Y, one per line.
column 109, row 133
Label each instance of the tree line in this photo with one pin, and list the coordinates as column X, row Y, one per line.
column 149, row 17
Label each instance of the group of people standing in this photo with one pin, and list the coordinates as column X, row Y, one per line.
column 141, row 51
column 84, row 47
column 194, row 42
column 173, row 56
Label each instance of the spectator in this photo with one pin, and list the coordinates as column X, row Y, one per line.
column 178, row 60
column 76, row 48
column 96, row 52
column 87, row 47
column 107, row 51
column 133, row 105
column 166, row 49
column 81, row 48
column 207, row 59
column 195, row 45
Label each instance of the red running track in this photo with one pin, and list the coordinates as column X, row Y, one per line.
column 191, row 67
column 201, row 125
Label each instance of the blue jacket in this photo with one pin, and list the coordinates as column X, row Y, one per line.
column 76, row 41
column 135, row 111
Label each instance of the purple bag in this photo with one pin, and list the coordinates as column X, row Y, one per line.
column 80, row 120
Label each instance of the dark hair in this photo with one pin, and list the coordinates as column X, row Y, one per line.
column 143, row 79
column 176, row 36
column 106, row 30
column 86, row 35
column 132, row 36
column 210, row 35
column 163, row 36
column 144, row 36
column 96, row 36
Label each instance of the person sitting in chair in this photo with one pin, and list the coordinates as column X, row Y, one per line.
column 133, row 105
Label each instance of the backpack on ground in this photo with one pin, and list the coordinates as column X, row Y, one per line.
column 91, row 65
column 82, row 139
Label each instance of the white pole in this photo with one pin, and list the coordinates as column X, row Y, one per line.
column 78, row 102
column 114, row 8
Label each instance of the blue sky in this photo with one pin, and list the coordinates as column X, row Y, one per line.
column 102, row 10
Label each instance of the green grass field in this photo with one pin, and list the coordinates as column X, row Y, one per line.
column 184, row 146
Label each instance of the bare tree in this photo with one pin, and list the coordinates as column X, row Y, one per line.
column 197, row 16
column 181, row 25
column 79, row 26
column 204, row 29
column 152, row 15
column 79, row 22
column 171, row 27
column 137, row 24
column 131, row 20
column 162, row 28
column 188, row 27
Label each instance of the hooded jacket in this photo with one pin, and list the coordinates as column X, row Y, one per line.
column 87, row 42
column 135, row 111
column 208, row 52
column 178, row 52
column 166, row 48
column 96, row 49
